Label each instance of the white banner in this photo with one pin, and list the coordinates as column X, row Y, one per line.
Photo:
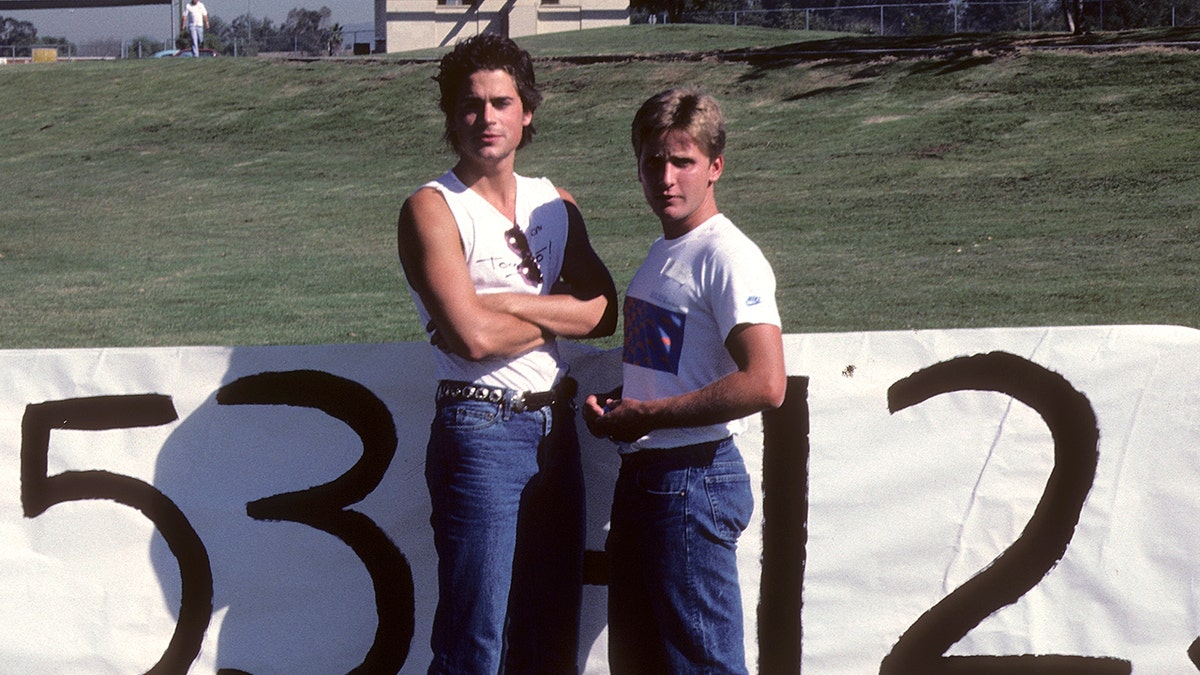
column 264, row 510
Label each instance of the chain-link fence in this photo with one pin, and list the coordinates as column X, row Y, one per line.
column 26, row 51
column 958, row 17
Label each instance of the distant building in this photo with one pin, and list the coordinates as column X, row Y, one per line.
column 422, row 24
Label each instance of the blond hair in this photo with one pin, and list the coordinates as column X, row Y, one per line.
column 686, row 109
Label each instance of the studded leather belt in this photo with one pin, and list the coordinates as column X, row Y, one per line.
column 517, row 401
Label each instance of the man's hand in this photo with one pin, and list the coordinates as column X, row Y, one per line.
column 435, row 338
column 611, row 416
column 593, row 410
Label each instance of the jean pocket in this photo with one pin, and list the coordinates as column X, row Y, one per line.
column 731, row 503
column 468, row 416
column 662, row 480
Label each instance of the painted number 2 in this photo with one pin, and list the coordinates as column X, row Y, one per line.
column 922, row 647
column 1072, row 423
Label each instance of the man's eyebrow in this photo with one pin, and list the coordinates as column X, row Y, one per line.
column 475, row 97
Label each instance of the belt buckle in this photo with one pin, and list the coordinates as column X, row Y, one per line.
column 517, row 402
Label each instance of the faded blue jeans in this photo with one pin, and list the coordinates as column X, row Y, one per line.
column 507, row 494
column 197, row 32
column 674, row 604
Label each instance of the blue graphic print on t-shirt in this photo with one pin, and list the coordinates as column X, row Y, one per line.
column 653, row 336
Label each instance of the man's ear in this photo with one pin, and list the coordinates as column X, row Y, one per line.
column 715, row 167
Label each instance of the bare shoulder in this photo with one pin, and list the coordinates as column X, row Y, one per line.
column 424, row 207
column 426, row 228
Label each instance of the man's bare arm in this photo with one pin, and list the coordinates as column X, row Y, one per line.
column 584, row 303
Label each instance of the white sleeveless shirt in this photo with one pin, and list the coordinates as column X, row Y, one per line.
column 492, row 264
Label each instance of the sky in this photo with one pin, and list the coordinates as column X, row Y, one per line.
column 159, row 22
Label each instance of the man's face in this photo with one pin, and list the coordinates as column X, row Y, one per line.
column 677, row 179
column 489, row 117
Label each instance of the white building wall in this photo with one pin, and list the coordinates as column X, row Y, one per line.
column 423, row 24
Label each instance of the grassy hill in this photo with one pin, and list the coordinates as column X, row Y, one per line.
column 965, row 181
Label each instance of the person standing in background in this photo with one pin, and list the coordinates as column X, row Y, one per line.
column 195, row 21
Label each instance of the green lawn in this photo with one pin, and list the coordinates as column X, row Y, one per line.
column 244, row 201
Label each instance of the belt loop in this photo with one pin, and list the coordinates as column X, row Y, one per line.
column 506, row 407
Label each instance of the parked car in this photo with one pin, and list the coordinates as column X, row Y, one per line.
column 204, row 53
column 185, row 53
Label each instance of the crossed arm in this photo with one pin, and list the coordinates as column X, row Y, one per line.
column 583, row 303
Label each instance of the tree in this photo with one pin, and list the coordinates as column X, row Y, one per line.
column 143, row 46
column 307, row 31
column 213, row 37
column 17, row 33
column 335, row 39
column 249, row 32
column 109, row 46
column 312, row 31
column 1073, row 13
column 22, row 36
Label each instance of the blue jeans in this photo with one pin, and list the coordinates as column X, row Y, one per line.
column 674, row 604
column 197, row 32
column 508, row 513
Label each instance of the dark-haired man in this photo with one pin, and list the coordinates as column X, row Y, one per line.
column 702, row 351
column 499, row 266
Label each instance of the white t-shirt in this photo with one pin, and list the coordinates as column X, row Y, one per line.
column 679, row 309
column 193, row 15
column 542, row 215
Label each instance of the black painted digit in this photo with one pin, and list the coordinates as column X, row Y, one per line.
column 1072, row 423
column 40, row 491
column 785, row 532
column 325, row 507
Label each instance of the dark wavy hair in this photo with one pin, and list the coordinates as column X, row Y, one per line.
column 486, row 51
